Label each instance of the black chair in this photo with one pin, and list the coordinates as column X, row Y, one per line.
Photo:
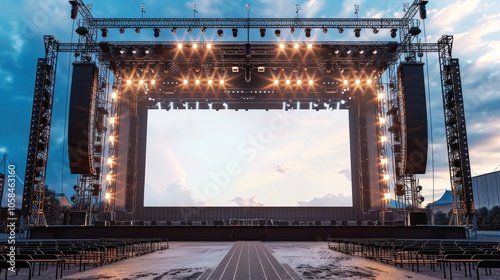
column 19, row 265
column 486, row 264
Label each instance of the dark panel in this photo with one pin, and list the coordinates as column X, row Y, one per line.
column 83, row 92
column 78, row 218
column 414, row 118
column 417, row 218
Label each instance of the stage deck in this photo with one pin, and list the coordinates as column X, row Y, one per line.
column 235, row 233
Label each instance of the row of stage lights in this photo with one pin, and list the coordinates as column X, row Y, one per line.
column 275, row 82
column 234, row 31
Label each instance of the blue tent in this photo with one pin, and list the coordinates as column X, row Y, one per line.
column 444, row 200
column 393, row 204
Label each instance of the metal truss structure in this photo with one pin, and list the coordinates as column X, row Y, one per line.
column 32, row 213
column 338, row 59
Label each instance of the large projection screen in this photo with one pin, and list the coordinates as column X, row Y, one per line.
column 224, row 158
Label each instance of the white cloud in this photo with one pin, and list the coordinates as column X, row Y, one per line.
column 3, row 150
column 328, row 200
column 246, row 202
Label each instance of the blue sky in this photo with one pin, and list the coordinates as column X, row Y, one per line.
column 474, row 23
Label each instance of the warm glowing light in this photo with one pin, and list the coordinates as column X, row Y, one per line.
column 383, row 138
column 114, row 95
column 311, row 82
column 309, row 46
column 380, row 96
column 299, row 82
column 179, row 46
column 358, row 82
column 346, row 82
column 369, row 81
column 296, row 45
column 221, row 82
column 111, row 139
column 112, row 120
column 383, row 161
column 197, row 82
column 386, row 177
column 141, row 82
column 276, row 82
column 185, row 82
column 282, row 46
column 129, row 82
column 209, row 46
column 210, row 82
column 381, row 120
column 287, row 82
column 108, row 177
column 387, row 196
column 153, row 81
column 110, row 161
column 107, row 196
column 195, row 46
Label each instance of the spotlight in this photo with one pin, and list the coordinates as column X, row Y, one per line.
column 129, row 82
column 220, row 32
column 137, row 30
column 262, row 32
column 357, row 32
column 341, row 30
column 195, row 46
column 325, row 30
column 375, row 30
column 210, row 82
column 276, row 82
column 179, row 46
column 209, row 46
column 311, row 82
column 309, row 46
column 299, row 82
column 307, row 32
column 369, row 81
column 185, row 82
column 296, row 45
column 292, row 30
column 235, row 32
column 361, row 51
column 174, row 30
column 282, row 46
column 153, row 81
column 189, row 30
column 104, row 32
column 358, row 82
column 122, row 31
column 346, row 82
column 287, row 82
column 221, row 82
column 393, row 33
column 141, row 82
column 197, row 82
column 277, row 32
column 156, row 32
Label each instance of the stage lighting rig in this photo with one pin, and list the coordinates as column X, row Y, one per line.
column 104, row 32
column 307, row 32
column 156, row 32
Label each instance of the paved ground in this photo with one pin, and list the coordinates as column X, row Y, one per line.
column 197, row 260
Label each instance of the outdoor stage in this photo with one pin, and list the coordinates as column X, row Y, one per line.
column 262, row 233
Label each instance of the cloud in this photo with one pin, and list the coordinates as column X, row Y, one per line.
column 346, row 172
column 3, row 150
column 246, row 202
column 328, row 200
column 175, row 194
column 281, row 169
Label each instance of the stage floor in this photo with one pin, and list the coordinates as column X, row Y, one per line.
column 235, row 233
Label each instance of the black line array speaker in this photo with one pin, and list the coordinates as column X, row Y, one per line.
column 83, row 94
column 417, row 218
column 78, row 218
column 413, row 118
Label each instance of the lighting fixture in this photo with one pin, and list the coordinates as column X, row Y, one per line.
column 357, row 32
column 220, row 32
column 307, row 32
column 262, row 32
column 277, row 32
column 156, row 32
column 235, row 32
column 104, row 32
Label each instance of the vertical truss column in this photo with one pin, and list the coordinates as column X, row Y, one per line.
column 112, row 160
column 456, row 136
column 132, row 164
column 364, row 179
column 382, row 149
column 38, row 146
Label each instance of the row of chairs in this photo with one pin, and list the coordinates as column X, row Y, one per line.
column 82, row 253
column 471, row 255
